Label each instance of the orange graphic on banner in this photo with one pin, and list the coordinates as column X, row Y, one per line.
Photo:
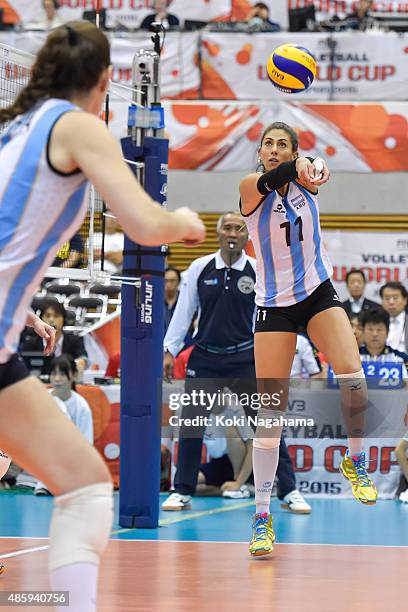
column 381, row 138
column 213, row 125
column 212, row 48
column 244, row 55
column 213, row 85
column 10, row 16
column 240, row 9
column 108, row 336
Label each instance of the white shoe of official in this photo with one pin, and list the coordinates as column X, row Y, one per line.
column 295, row 502
column 243, row 493
column 176, row 501
column 404, row 497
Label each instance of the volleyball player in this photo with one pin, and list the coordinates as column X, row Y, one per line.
column 53, row 146
column 293, row 288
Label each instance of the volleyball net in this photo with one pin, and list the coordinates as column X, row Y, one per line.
column 83, row 257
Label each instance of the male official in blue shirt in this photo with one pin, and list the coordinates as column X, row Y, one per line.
column 221, row 287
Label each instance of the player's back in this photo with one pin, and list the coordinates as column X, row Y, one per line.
column 39, row 209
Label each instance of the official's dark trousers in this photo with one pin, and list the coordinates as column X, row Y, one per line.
column 204, row 371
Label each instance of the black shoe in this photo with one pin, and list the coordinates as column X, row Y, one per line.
column 42, row 491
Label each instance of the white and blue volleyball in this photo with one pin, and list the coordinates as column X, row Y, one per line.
column 291, row 68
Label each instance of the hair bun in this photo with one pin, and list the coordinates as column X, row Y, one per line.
column 72, row 35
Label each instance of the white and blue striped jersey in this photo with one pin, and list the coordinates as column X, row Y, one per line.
column 291, row 261
column 40, row 209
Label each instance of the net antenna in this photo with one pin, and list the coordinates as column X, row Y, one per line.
column 98, row 8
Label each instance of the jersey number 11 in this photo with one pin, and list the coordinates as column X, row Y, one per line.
column 286, row 226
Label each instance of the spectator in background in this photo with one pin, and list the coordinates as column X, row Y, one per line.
column 50, row 18
column 63, row 376
column 172, row 278
column 53, row 314
column 355, row 321
column 360, row 18
column 375, row 324
column 160, row 15
column 71, row 253
column 305, row 362
column 356, row 284
column 63, row 373
column 394, row 301
column 258, row 16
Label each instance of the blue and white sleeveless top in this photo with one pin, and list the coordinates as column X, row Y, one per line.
column 39, row 210
column 291, row 261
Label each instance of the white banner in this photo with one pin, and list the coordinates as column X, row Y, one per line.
column 316, row 464
column 180, row 77
column 366, row 66
column 130, row 13
column 382, row 256
column 226, row 135
column 119, row 13
column 21, row 10
column 326, row 9
column 316, row 451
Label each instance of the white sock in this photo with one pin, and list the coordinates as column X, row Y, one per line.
column 355, row 446
column 265, row 464
column 81, row 580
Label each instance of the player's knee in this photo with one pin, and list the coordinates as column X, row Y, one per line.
column 80, row 525
column 266, row 443
column 352, row 380
column 350, row 368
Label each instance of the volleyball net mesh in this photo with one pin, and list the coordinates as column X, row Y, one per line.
column 82, row 257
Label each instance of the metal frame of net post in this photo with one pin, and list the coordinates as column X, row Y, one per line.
column 142, row 319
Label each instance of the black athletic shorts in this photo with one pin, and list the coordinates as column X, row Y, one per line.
column 291, row 318
column 12, row 371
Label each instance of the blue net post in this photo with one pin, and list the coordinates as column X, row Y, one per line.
column 142, row 320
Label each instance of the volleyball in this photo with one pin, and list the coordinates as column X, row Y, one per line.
column 291, row 68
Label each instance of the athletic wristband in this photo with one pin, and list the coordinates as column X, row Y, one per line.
column 277, row 177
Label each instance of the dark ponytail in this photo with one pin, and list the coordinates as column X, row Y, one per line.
column 71, row 61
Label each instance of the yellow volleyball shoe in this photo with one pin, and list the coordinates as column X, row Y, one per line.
column 354, row 469
column 263, row 535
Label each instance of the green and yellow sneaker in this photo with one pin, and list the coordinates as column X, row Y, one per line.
column 263, row 535
column 354, row 469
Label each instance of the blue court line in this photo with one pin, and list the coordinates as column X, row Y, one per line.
column 332, row 521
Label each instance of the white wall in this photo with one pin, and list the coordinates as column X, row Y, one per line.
column 348, row 193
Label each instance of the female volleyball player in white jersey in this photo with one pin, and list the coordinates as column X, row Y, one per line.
column 53, row 146
column 293, row 289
